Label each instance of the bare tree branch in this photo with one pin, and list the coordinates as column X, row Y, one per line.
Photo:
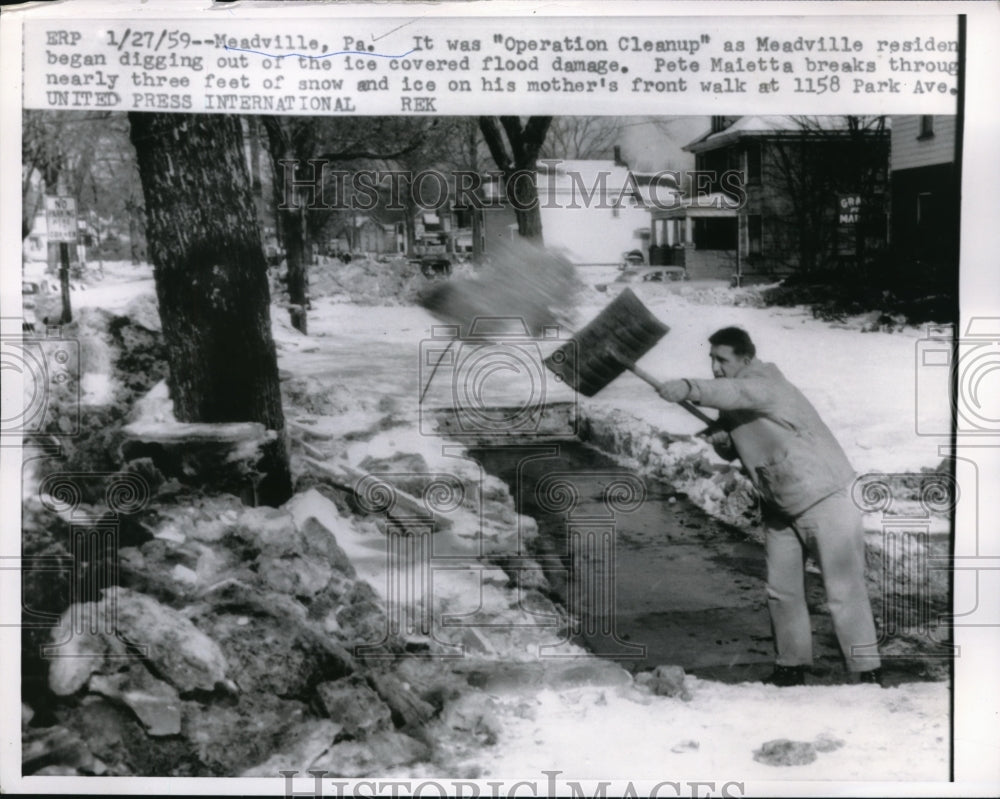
column 490, row 128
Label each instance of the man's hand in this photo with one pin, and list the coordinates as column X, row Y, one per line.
column 674, row 390
column 718, row 438
column 721, row 442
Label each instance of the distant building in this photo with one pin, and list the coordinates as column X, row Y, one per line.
column 925, row 191
column 814, row 196
column 378, row 232
column 89, row 234
column 36, row 245
column 594, row 211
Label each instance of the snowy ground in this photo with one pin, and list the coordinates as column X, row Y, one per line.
column 607, row 733
column 862, row 384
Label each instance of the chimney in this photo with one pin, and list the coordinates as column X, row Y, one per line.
column 618, row 157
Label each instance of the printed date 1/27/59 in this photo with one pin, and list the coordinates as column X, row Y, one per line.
column 169, row 39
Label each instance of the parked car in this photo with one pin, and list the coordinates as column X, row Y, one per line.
column 274, row 253
column 29, row 291
column 433, row 267
column 632, row 258
column 647, row 274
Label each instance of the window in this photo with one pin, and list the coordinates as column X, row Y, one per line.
column 924, row 208
column 755, row 234
column 715, row 233
column 753, row 163
column 926, row 127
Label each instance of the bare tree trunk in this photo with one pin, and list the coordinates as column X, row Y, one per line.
column 295, row 260
column 409, row 225
column 253, row 134
column 519, row 165
column 290, row 223
column 472, row 143
column 133, row 230
column 211, row 279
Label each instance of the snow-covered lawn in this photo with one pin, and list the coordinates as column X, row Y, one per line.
column 861, row 383
column 619, row 733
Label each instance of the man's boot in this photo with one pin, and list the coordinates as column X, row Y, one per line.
column 785, row 676
column 872, row 676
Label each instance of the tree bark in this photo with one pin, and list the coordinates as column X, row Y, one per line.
column 133, row 230
column 290, row 223
column 211, row 278
column 519, row 165
column 410, row 221
column 295, row 261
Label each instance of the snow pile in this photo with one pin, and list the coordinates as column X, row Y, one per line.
column 95, row 369
column 746, row 296
column 686, row 463
column 364, row 280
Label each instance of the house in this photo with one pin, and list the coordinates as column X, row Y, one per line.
column 925, row 191
column 378, row 232
column 593, row 210
column 91, row 231
column 776, row 194
column 36, row 244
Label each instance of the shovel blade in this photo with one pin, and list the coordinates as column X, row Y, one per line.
column 611, row 343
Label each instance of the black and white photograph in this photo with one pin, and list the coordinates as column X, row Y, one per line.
column 550, row 451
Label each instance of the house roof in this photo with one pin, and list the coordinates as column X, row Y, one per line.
column 665, row 178
column 769, row 125
column 569, row 172
column 700, row 206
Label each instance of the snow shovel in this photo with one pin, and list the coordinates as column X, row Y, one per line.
column 611, row 343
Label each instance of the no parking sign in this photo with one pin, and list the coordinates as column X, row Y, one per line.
column 60, row 219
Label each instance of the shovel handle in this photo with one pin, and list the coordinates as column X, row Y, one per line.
column 642, row 374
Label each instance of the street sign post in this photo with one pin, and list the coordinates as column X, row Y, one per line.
column 60, row 225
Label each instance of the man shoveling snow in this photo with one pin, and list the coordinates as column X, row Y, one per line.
column 803, row 477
